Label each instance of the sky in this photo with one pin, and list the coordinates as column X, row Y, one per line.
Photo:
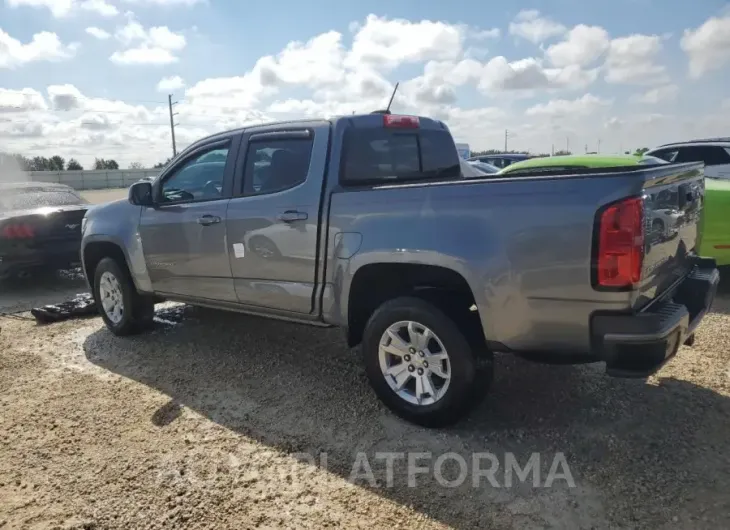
column 89, row 79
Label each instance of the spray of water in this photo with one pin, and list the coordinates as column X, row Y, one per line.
column 11, row 170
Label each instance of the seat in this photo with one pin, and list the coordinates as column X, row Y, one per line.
column 283, row 172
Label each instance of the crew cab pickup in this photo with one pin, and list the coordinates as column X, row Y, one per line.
column 366, row 222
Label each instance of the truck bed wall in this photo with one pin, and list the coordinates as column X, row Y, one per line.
column 523, row 246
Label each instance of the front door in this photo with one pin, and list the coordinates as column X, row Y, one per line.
column 272, row 225
column 184, row 234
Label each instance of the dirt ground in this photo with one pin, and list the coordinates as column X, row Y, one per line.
column 207, row 421
column 100, row 196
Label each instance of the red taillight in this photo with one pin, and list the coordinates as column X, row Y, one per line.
column 18, row 231
column 621, row 244
column 397, row 121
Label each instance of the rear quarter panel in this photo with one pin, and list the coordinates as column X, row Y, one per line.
column 523, row 246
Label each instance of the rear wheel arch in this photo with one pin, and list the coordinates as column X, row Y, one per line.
column 374, row 284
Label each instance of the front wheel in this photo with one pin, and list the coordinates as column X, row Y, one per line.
column 421, row 365
column 122, row 308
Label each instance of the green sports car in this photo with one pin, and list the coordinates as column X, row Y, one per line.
column 715, row 241
column 559, row 163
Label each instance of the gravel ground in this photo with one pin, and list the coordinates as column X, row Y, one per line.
column 100, row 196
column 200, row 424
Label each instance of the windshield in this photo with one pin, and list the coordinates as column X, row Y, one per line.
column 471, row 170
column 483, row 166
column 651, row 160
column 30, row 198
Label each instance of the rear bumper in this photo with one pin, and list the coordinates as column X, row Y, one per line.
column 56, row 255
column 637, row 345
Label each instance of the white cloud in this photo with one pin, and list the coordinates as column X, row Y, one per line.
column 530, row 25
column 483, row 34
column 582, row 46
column 656, row 95
column 168, row 84
column 614, row 123
column 556, row 108
column 44, row 46
column 632, row 60
column 100, row 7
column 530, row 74
column 65, row 97
column 315, row 62
column 332, row 74
column 167, row 3
column 23, row 100
column 384, row 43
column 98, row 33
column 153, row 46
column 63, row 8
column 708, row 46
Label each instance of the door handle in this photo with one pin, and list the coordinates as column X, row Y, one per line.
column 292, row 215
column 207, row 220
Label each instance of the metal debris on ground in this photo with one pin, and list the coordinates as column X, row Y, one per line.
column 81, row 305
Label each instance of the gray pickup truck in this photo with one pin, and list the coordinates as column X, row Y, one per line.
column 367, row 223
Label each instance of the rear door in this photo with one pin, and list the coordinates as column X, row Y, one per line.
column 715, row 157
column 184, row 234
column 273, row 221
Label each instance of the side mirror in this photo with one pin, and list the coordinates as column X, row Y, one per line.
column 140, row 193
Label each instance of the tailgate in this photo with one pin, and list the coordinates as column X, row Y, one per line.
column 673, row 207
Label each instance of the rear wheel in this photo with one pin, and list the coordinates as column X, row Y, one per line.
column 122, row 308
column 421, row 365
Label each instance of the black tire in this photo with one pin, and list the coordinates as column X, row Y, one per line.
column 139, row 310
column 471, row 371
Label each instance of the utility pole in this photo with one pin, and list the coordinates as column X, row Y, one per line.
column 506, row 135
column 567, row 144
column 170, row 103
column 599, row 146
column 552, row 150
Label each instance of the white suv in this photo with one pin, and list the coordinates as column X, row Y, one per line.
column 714, row 152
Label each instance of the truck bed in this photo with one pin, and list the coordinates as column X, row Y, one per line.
column 523, row 244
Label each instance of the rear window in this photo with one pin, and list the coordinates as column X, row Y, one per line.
column 382, row 155
column 26, row 199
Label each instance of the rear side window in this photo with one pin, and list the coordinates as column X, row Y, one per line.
column 382, row 155
column 274, row 165
column 709, row 154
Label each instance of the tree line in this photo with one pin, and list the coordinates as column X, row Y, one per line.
column 54, row 163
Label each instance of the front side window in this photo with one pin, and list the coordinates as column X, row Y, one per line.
column 276, row 165
column 199, row 178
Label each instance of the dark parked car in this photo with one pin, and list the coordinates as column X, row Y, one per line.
column 501, row 160
column 40, row 227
